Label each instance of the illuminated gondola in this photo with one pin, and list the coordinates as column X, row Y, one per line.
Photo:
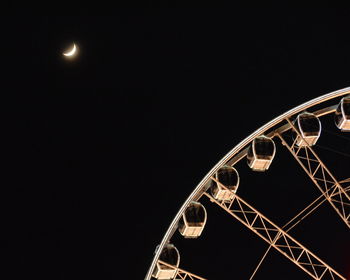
column 193, row 220
column 169, row 255
column 342, row 114
column 229, row 177
column 309, row 128
column 261, row 153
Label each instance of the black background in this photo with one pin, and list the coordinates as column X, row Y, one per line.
column 101, row 151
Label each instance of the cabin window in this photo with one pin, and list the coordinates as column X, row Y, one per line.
column 170, row 256
column 227, row 177
column 309, row 124
column 195, row 215
column 264, row 149
column 346, row 108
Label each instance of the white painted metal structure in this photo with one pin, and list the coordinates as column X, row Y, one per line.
column 331, row 189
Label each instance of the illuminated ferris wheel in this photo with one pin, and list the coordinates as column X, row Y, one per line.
column 298, row 130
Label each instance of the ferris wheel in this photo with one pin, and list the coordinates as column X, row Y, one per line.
column 297, row 131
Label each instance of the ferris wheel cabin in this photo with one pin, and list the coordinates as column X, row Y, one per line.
column 309, row 127
column 171, row 256
column 261, row 153
column 193, row 220
column 229, row 177
column 342, row 114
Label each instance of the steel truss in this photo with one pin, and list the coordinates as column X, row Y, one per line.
column 239, row 152
column 297, row 219
column 182, row 274
column 320, row 175
column 276, row 237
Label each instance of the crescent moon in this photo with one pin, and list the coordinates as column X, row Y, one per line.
column 71, row 52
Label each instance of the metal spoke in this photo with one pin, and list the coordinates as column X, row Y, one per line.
column 320, row 175
column 181, row 273
column 292, row 226
column 253, row 219
column 276, row 237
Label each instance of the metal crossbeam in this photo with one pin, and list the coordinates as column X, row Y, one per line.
column 182, row 274
column 276, row 237
column 347, row 189
column 320, row 175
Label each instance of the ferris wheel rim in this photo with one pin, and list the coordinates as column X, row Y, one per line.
column 199, row 189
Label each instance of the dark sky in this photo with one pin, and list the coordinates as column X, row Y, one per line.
column 101, row 151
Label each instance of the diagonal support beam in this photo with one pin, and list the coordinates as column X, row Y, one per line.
column 276, row 237
column 182, row 274
column 313, row 208
column 324, row 180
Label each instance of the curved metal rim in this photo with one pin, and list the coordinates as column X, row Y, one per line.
column 200, row 187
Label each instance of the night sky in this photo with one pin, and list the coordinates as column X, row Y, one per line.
column 102, row 150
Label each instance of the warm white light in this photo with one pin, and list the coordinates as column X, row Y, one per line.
column 72, row 52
